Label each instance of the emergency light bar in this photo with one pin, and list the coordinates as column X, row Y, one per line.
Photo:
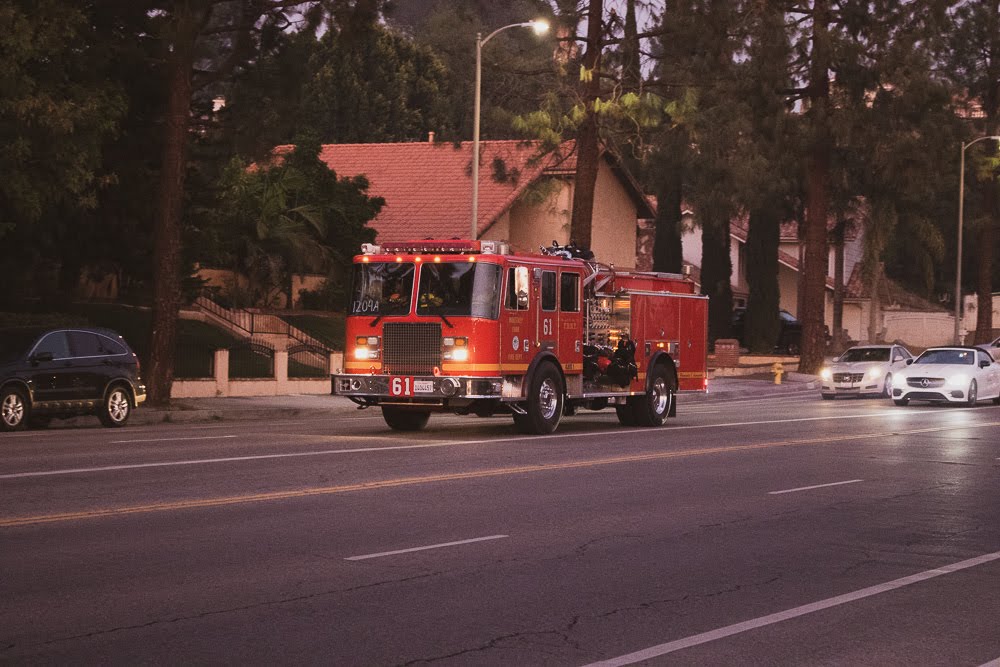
column 451, row 247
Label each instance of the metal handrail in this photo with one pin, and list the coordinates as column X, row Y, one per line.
column 256, row 323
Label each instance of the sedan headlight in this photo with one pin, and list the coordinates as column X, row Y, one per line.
column 826, row 374
column 959, row 380
column 875, row 373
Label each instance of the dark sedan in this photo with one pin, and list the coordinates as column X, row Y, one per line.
column 46, row 373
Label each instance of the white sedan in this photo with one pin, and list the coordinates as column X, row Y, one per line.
column 950, row 374
column 865, row 369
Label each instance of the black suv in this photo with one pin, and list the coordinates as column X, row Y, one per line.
column 789, row 333
column 47, row 373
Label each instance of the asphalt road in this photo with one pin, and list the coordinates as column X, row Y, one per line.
column 779, row 530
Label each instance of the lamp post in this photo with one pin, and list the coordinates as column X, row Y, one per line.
column 961, row 216
column 540, row 27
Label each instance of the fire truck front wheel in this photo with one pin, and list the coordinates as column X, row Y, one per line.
column 401, row 419
column 544, row 407
column 653, row 408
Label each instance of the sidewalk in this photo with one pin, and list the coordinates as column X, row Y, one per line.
column 257, row 408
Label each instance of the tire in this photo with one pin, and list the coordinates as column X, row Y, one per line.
column 901, row 401
column 545, row 402
column 973, row 394
column 887, row 387
column 116, row 408
column 653, row 408
column 401, row 419
column 793, row 347
column 14, row 410
column 626, row 414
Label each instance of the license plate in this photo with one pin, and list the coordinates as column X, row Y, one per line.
column 423, row 386
column 401, row 386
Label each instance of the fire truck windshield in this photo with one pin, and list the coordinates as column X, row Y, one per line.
column 462, row 289
column 382, row 288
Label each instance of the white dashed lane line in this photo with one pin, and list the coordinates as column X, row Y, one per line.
column 814, row 486
column 788, row 614
column 430, row 546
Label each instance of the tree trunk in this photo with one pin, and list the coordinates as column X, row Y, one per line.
column 588, row 138
column 716, row 275
column 668, row 252
column 167, row 231
column 817, row 181
column 761, row 326
column 838, row 287
column 875, row 307
column 986, row 246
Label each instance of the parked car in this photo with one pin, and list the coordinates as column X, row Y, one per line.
column 863, row 370
column 789, row 335
column 46, row 373
column 956, row 374
column 993, row 348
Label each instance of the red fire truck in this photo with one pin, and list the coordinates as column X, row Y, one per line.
column 470, row 328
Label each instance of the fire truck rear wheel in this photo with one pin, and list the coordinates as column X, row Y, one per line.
column 626, row 414
column 653, row 408
column 400, row 419
column 545, row 402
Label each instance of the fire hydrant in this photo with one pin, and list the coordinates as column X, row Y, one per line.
column 778, row 371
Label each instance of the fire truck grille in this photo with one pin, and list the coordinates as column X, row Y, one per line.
column 411, row 348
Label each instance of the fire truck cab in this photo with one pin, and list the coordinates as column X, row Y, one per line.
column 470, row 328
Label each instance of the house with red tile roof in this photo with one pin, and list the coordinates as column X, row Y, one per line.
column 525, row 197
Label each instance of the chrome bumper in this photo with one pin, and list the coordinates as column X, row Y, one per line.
column 392, row 387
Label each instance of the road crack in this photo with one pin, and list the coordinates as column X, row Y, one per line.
column 218, row 612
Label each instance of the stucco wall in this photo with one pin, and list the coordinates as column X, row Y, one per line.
column 537, row 223
column 615, row 222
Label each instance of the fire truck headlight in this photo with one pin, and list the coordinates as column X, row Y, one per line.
column 456, row 348
column 367, row 348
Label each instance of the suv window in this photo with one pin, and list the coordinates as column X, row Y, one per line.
column 56, row 342
column 110, row 346
column 84, row 344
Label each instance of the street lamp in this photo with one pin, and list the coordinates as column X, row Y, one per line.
column 961, row 215
column 540, row 27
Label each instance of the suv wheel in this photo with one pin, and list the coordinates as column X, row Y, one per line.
column 117, row 407
column 14, row 410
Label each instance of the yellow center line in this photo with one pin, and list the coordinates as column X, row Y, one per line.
column 198, row 503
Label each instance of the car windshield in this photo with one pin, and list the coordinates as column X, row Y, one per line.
column 963, row 357
column 866, row 354
column 382, row 288
column 15, row 343
column 468, row 289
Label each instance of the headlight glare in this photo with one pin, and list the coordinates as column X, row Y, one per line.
column 959, row 380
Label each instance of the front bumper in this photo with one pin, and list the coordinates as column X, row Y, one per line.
column 850, row 389
column 390, row 388
column 938, row 394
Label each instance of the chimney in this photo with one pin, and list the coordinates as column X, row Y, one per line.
column 430, row 137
